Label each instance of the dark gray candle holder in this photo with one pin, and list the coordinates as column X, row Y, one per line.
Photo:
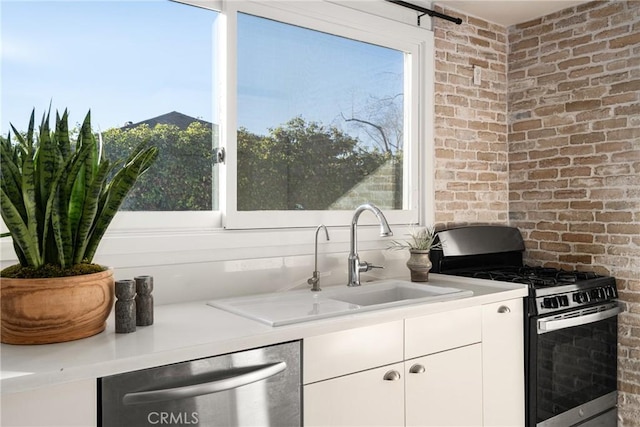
column 144, row 300
column 125, row 291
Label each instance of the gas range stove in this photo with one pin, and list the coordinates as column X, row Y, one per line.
column 495, row 253
column 570, row 317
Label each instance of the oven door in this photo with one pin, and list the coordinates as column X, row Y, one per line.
column 572, row 365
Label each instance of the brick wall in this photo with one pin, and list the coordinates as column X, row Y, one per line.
column 470, row 122
column 571, row 139
column 574, row 154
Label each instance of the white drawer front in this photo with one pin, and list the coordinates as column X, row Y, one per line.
column 344, row 352
column 442, row 331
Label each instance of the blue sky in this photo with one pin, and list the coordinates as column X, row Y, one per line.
column 336, row 76
column 133, row 60
column 123, row 60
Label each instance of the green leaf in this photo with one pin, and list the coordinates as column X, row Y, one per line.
column 63, row 217
column 10, row 176
column 62, row 134
column 62, row 228
column 51, row 252
column 20, row 231
column 115, row 193
column 29, row 199
column 47, row 160
column 89, row 212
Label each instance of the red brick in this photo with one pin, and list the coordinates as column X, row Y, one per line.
column 614, row 217
column 587, row 71
column 574, row 62
column 589, row 48
column 527, row 125
column 577, row 237
column 576, row 259
column 588, row 227
column 579, row 216
column 539, row 174
column 610, row 123
column 623, row 228
column 628, row 40
column 587, row 138
column 586, row 205
column 630, row 86
column 555, row 247
column 573, row 84
column 575, row 171
column 525, row 44
column 570, row 194
column 583, row 105
column 536, row 154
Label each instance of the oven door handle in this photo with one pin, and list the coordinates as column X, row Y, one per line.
column 554, row 325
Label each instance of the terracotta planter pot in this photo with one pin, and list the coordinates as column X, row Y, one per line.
column 419, row 264
column 45, row 311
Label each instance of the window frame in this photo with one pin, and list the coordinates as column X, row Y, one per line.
column 337, row 20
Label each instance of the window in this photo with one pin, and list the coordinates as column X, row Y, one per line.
column 318, row 105
column 316, row 111
column 142, row 82
column 326, row 118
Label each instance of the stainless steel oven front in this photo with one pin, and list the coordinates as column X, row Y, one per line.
column 572, row 364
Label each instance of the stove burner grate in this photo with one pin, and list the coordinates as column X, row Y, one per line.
column 534, row 276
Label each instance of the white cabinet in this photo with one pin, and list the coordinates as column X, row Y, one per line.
column 361, row 399
column 441, row 387
column 443, row 373
column 442, row 331
column 344, row 375
column 503, row 363
column 445, row 389
column 352, row 350
column 72, row 404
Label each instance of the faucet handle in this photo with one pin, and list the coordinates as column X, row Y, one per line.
column 315, row 281
column 365, row 266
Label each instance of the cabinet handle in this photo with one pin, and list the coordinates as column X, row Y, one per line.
column 391, row 376
column 417, row 369
column 504, row 309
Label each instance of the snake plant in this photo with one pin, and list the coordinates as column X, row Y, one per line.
column 58, row 198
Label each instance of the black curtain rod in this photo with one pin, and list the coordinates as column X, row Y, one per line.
column 426, row 11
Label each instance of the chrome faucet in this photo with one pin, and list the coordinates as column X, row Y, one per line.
column 355, row 265
column 314, row 281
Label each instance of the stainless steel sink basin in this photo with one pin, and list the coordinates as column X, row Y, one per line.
column 283, row 308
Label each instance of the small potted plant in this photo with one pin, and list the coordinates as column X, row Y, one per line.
column 421, row 242
column 57, row 199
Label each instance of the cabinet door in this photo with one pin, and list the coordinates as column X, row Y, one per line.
column 503, row 363
column 445, row 389
column 370, row 398
column 70, row 404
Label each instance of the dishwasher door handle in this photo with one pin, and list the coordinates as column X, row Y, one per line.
column 243, row 376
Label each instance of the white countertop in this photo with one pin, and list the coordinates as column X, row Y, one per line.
column 194, row 330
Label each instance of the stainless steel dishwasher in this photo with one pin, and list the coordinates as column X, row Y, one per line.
column 258, row 387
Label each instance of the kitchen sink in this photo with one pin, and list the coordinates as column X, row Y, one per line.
column 364, row 296
column 283, row 308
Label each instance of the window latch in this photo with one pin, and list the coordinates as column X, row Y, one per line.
column 219, row 155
